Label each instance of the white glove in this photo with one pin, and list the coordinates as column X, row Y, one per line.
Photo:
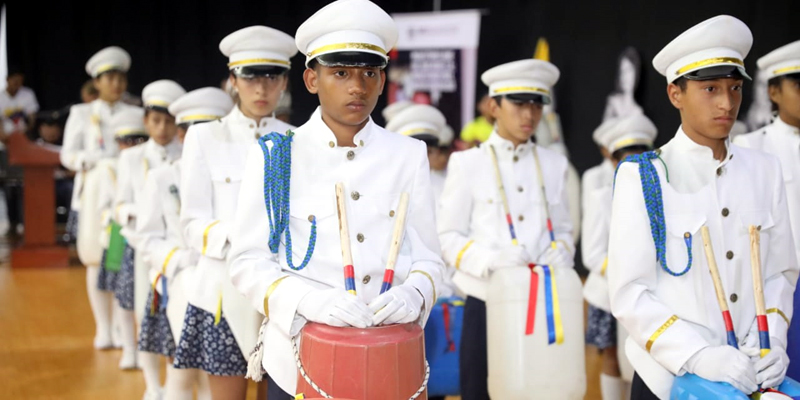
column 724, row 364
column 399, row 305
column 335, row 307
column 751, row 345
column 771, row 370
column 558, row 257
column 511, row 256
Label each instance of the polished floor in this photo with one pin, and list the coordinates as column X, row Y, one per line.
column 46, row 331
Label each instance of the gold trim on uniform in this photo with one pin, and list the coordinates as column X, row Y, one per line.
column 709, row 62
column 416, row 271
column 126, row 132
column 604, row 267
column 106, row 68
column 156, row 103
column 254, row 61
column 779, row 312
column 346, row 46
column 417, row 131
column 205, row 236
column 271, row 289
column 786, row 69
column 198, row 117
column 521, row 89
column 461, row 253
column 659, row 331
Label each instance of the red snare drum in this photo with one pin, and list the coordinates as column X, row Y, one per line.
column 385, row 363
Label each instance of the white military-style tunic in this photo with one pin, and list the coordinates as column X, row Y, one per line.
column 375, row 173
column 472, row 222
column 88, row 138
column 670, row 318
column 783, row 141
column 212, row 167
column 597, row 190
column 134, row 166
column 437, row 185
column 161, row 242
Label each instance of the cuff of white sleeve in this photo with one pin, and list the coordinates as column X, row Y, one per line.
column 215, row 241
column 283, row 302
column 423, row 283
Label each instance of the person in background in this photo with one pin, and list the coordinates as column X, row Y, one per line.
column 479, row 130
column 89, row 92
column 17, row 103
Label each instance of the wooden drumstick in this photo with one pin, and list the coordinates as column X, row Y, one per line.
column 397, row 240
column 723, row 302
column 758, row 289
column 344, row 236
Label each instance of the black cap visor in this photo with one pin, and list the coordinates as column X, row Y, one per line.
column 356, row 59
column 718, row 72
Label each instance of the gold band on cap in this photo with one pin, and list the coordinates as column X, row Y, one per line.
column 106, row 68
column 631, row 142
column 709, row 62
column 126, row 132
column 786, row 69
column 258, row 61
column 156, row 103
column 418, row 131
column 521, row 89
column 199, row 117
column 346, row 46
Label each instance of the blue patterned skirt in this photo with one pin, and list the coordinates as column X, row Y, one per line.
column 602, row 329
column 155, row 335
column 211, row 348
column 123, row 290
column 107, row 280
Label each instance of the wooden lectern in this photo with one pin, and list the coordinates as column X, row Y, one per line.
column 39, row 248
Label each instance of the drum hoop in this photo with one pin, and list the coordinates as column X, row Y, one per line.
column 327, row 396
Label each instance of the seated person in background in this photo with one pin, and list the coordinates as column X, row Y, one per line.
column 17, row 103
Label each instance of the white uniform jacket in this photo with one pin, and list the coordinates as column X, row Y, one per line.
column 375, row 173
column 158, row 225
column 88, row 138
column 783, row 141
column 472, row 222
column 133, row 167
column 670, row 318
column 212, row 167
column 596, row 203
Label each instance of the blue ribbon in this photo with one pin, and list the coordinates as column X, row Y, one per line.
column 163, row 301
column 548, row 306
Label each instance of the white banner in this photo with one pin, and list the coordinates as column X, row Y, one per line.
column 435, row 62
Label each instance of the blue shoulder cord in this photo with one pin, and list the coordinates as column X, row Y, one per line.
column 651, row 188
column 277, row 179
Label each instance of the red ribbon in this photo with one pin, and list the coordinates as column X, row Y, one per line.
column 451, row 345
column 532, row 301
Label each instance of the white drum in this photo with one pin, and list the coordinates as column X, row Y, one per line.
column 526, row 366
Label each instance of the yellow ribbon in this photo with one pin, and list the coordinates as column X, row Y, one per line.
column 604, row 267
column 271, row 289
column 218, row 314
column 433, row 287
column 557, row 311
column 779, row 312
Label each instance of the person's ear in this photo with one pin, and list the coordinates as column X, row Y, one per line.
column 675, row 95
column 775, row 93
column 494, row 107
column 311, row 80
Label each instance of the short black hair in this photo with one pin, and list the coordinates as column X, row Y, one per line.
column 777, row 81
column 313, row 64
column 148, row 110
column 681, row 83
column 14, row 70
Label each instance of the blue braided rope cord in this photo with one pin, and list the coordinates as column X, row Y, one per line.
column 654, row 202
column 277, row 179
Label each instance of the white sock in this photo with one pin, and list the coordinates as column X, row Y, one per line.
column 203, row 389
column 151, row 369
column 128, row 332
column 100, row 303
column 116, row 327
column 180, row 383
column 611, row 387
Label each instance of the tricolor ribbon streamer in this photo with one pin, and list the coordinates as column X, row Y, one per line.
column 555, row 327
column 159, row 301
